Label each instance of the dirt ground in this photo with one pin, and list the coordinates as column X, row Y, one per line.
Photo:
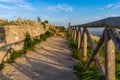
column 51, row 60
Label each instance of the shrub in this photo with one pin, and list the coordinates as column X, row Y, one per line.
column 44, row 26
column 17, row 54
column 42, row 37
column 48, row 34
column 28, row 42
column 2, row 66
column 46, row 21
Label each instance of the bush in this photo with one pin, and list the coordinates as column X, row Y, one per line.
column 42, row 37
column 46, row 21
column 17, row 54
column 2, row 66
column 48, row 34
column 28, row 42
column 44, row 26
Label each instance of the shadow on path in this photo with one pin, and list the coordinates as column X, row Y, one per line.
column 49, row 61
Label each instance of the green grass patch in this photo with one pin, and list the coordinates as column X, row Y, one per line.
column 73, row 45
column 91, row 74
column 117, row 66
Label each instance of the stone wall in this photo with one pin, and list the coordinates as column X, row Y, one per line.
column 17, row 33
column 11, row 34
column 2, row 36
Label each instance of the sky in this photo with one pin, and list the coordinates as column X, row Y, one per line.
column 60, row 12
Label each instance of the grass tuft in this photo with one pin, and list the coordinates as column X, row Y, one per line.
column 93, row 72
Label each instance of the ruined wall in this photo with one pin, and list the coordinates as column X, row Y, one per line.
column 17, row 33
column 2, row 36
column 11, row 34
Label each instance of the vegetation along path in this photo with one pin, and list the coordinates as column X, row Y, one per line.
column 50, row 60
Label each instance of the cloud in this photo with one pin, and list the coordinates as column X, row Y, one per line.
column 111, row 15
column 51, row 8
column 5, row 7
column 117, row 6
column 12, row 1
column 60, row 21
column 6, row 0
column 60, row 7
column 63, row 21
column 16, row 4
column 111, row 6
column 25, row 6
column 64, row 8
column 107, row 7
column 91, row 19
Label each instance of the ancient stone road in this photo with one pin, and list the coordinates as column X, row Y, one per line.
column 51, row 60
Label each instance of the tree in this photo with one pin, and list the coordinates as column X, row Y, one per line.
column 38, row 18
column 46, row 21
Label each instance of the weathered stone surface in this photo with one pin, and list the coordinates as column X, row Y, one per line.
column 11, row 33
column 17, row 33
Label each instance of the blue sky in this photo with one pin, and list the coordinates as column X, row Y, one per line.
column 60, row 12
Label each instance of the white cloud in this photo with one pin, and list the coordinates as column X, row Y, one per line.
column 5, row 7
column 91, row 19
column 18, row 4
column 65, row 8
column 60, row 21
column 25, row 6
column 60, row 7
column 6, row 0
column 107, row 7
column 51, row 8
column 63, row 21
column 111, row 15
column 101, row 8
column 111, row 6
column 117, row 6
column 12, row 1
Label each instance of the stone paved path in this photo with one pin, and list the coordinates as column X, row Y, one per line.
column 51, row 60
